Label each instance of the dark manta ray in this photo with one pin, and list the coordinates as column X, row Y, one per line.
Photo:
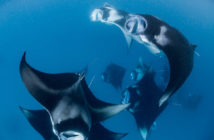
column 40, row 120
column 72, row 107
column 114, row 74
column 187, row 100
column 158, row 36
column 144, row 97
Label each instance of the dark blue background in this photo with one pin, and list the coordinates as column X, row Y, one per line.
column 59, row 37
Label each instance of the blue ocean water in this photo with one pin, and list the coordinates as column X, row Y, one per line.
column 59, row 36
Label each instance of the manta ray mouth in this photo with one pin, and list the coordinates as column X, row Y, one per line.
column 72, row 128
column 71, row 135
column 135, row 24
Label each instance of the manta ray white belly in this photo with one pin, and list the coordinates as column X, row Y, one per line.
column 151, row 46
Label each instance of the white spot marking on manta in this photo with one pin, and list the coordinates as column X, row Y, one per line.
column 161, row 39
column 113, row 16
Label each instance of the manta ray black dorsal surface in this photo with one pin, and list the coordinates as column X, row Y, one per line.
column 144, row 97
column 41, row 122
column 68, row 100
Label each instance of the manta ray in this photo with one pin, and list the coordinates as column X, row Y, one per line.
column 71, row 111
column 158, row 36
column 114, row 75
column 144, row 97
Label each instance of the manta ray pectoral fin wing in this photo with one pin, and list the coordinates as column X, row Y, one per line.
column 99, row 132
column 100, row 110
column 41, row 122
column 45, row 87
column 106, row 111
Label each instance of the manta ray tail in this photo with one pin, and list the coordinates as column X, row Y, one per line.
column 85, row 70
column 194, row 47
column 40, row 121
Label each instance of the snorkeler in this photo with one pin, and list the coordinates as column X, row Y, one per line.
column 138, row 73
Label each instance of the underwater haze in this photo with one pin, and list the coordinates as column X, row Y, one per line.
column 58, row 36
